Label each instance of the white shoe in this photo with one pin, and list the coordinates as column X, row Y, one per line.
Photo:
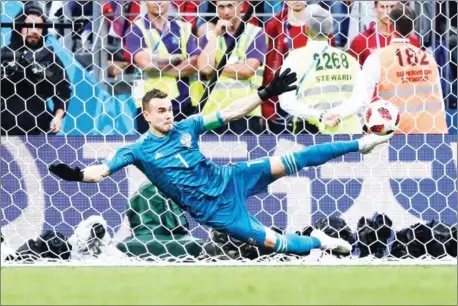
column 369, row 142
column 334, row 244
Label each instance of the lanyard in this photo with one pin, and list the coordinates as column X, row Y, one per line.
column 164, row 32
column 377, row 37
column 222, row 42
column 288, row 39
column 310, row 69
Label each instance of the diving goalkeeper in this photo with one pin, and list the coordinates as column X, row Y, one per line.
column 168, row 154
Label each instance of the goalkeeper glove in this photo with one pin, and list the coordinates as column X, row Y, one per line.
column 280, row 84
column 67, row 173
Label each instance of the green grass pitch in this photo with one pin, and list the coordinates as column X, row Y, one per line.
column 319, row 285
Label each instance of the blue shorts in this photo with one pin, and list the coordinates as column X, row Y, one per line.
column 232, row 217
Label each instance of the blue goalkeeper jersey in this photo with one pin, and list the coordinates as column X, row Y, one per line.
column 176, row 166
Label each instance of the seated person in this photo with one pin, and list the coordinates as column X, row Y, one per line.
column 158, row 226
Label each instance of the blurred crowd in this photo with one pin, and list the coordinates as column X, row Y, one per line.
column 176, row 46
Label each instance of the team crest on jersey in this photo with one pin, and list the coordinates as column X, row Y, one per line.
column 186, row 140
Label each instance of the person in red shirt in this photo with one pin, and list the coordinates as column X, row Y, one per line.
column 378, row 35
column 284, row 32
column 189, row 10
column 120, row 16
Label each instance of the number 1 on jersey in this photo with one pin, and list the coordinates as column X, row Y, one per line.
column 182, row 160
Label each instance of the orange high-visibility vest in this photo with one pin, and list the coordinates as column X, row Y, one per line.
column 409, row 79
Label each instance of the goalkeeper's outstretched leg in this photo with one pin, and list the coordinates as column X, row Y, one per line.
column 315, row 156
column 253, row 177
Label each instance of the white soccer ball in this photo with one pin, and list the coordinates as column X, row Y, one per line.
column 382, row 117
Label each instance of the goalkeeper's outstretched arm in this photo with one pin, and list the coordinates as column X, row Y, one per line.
column 119, row 159
column 239, row 108
column 96, row 173
column 91, row 174
column 280, row 84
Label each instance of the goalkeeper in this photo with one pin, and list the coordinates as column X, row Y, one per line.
column 168, row 154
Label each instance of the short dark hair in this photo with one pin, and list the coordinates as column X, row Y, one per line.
column 152, row 94
column 402, row 17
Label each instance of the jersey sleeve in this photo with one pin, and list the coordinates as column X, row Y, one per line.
column 201, row 124
column 357, row 47
column 121, row 158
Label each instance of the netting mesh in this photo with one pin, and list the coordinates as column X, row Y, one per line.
column 71, row 91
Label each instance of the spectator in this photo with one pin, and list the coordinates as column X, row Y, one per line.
column 158, row 226
column 188, row 9
column 166, row 51
column 362, row 14
column 378, row 35
column 207, row 9
column 239, row 76
column 405, row 75
column 120, row 15
column 325, row 78
column 31, row 74
column 341, row 14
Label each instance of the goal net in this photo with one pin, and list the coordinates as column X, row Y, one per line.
column 92, row 61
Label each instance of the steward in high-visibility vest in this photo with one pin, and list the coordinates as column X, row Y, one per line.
column 228, row 89
column 165, row 52
column 326, row 76
column 403, row 74
column 414, row 89
column 168, row 84
column 242, row 74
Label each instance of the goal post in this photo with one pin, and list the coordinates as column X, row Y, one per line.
column 411, row 182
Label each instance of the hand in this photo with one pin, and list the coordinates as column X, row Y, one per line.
column 176, row 59
column 56, row 124
column 330, row 119
column 9, row 69
column 66, row 172
column 280, row 84
column 37, row 71
column 165, row 62
column 223, row 26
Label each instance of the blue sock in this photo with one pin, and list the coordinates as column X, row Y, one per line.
column 295, row 244
column 317, row 155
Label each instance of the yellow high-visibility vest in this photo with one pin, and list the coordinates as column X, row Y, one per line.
column 326, row 78
column 227, row 90
column 167, row 84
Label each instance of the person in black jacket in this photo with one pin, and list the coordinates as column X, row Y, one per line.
column 31, row 73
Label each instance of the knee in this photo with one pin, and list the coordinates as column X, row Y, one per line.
column 277, row 168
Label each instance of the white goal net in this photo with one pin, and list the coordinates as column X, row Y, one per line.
column 73, row 74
